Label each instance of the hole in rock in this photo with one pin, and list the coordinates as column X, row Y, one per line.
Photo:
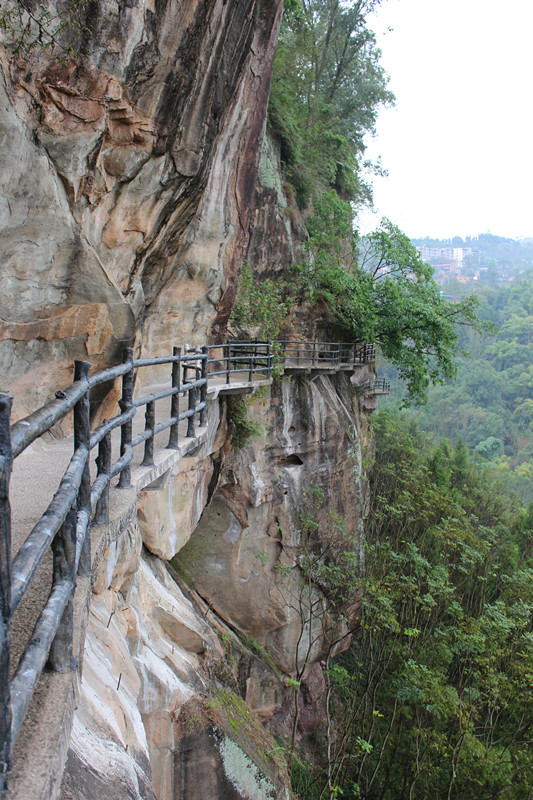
column 290, row 461
column 291, row 429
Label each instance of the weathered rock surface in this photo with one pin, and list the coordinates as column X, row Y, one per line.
column 171, row 700
column 169, row 510
column 243, row 558
column 127, row 181
column 277, row 230
column 150, row 722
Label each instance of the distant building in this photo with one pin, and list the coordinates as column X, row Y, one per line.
column 431, row 255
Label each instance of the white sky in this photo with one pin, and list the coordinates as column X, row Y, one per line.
column 458, row 146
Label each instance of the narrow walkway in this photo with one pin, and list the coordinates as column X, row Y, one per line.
column 36, row 474
column 39, row 469
column 35, row 477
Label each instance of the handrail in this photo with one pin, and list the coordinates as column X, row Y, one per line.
column 314, row 353
column 78, row 502
column 375, row 386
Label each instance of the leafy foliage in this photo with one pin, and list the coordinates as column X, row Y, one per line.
column 434, row 698
column 375, row 289
column 387, row 295
column 260, row 306
column 327, row 88
column 326, row 91
column 241, row 426
column 489, row 404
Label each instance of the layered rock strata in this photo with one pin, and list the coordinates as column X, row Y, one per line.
column 178, row 677
column 127, row 182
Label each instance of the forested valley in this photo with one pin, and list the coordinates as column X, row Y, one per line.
column 489, row 404
column 433, row 699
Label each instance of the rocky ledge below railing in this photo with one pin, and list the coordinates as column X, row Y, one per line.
column 81, row 501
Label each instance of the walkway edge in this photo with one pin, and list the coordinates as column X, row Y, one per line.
column 42, row 747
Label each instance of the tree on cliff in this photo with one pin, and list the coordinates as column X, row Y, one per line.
column 387, row 295
column 377, row 289
column 327, row 87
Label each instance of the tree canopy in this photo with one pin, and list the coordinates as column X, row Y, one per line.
column 489, row 404
column 385, row 293
column 327, row 87
column 433, row 700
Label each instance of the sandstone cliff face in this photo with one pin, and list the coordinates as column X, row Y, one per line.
column 128, row 201
column 149, row 724
column 277, row 231
column 178, row 677
column 254, row 534
column 127, row 184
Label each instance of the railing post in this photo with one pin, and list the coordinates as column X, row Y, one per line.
column 125, row 404
column 64, row 551
column 253, row 357
column 192, row 406
column 227, row 350
column 284, row 352
column 103, row 462
column 185, row 367
column 313, row 362
column 149, row 425
column 269, row 356
column 175, row 401
column 82, row 435
column 203, row 388
column 5, row 589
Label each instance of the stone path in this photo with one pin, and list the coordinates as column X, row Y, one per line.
column 35, row 477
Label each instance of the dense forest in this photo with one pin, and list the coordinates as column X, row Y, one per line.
column 433, row 698
column 489, row 404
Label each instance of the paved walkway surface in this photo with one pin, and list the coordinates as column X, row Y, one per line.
column 37, row 473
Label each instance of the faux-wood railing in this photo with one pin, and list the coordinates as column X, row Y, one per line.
column 77, row 502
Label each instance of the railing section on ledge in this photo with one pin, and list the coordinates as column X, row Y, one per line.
column 294, row 354
column 375, row 387
column 78, row 502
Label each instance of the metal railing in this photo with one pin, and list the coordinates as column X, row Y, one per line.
column 295, row 354
column 241, row 358
column 375, row 387
column 80, row 501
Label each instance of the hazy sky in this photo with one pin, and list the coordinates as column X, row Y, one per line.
column 458, row 146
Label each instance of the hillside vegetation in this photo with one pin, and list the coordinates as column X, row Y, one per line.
column 433, row 700
column 489, row 404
